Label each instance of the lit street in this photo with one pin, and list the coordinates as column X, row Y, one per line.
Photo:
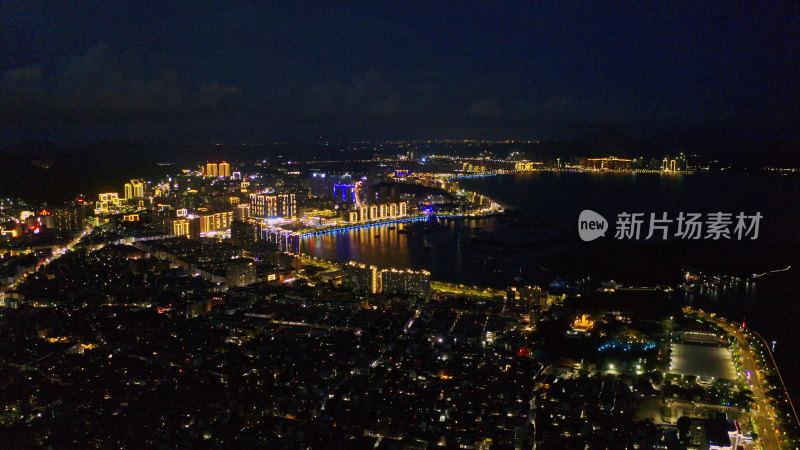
column 762, row 412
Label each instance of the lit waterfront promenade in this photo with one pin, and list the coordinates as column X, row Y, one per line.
column 436, row 286
column 763, row 414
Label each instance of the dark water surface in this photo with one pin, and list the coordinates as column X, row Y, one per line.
column 538, row 242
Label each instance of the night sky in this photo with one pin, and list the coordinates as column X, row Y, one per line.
column 236, row 72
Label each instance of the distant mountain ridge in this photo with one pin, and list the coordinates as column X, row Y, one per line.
column 47, row 172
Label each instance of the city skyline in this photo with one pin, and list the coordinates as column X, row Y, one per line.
column 393, row 273
column 528, row 225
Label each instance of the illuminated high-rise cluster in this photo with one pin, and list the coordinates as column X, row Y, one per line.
column 221, row 170
column 383, row 211
column 391, row 281
column 107, row 202
column 192, row 225
column 134, row 189
column 272, row 206
column 224, row 169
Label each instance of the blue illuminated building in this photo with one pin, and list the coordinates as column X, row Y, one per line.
column 345, row 192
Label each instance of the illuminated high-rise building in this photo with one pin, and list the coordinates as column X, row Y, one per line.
column 242, row 211
column 370, row 280
column 361, row 278
column 212, row 170
column 271, row 206
column 111, row 197
column 393, row 281
column 408, row 282
column 46, row 219
column 134, row 189
column 162, row 217
column 66, row 220
column 188, row 226
column 322, row 185
column 287, row 206
column 241, row 272
column 284, row 240
column 418, row 282
column 242, row 233
column 532, row 298
column 261, row 205
column 345, row 193
column 107, row 201
column 224, row 169
column 219, row 221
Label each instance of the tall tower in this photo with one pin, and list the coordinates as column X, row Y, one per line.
column 211, row 170
column 137, row 186
column 224, row 169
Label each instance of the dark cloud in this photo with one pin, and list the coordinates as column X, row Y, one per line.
column 106, row 83
column 20, row 91
column 486, row 107
column 366, row 96
column 603, row 110
column 251, row 72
